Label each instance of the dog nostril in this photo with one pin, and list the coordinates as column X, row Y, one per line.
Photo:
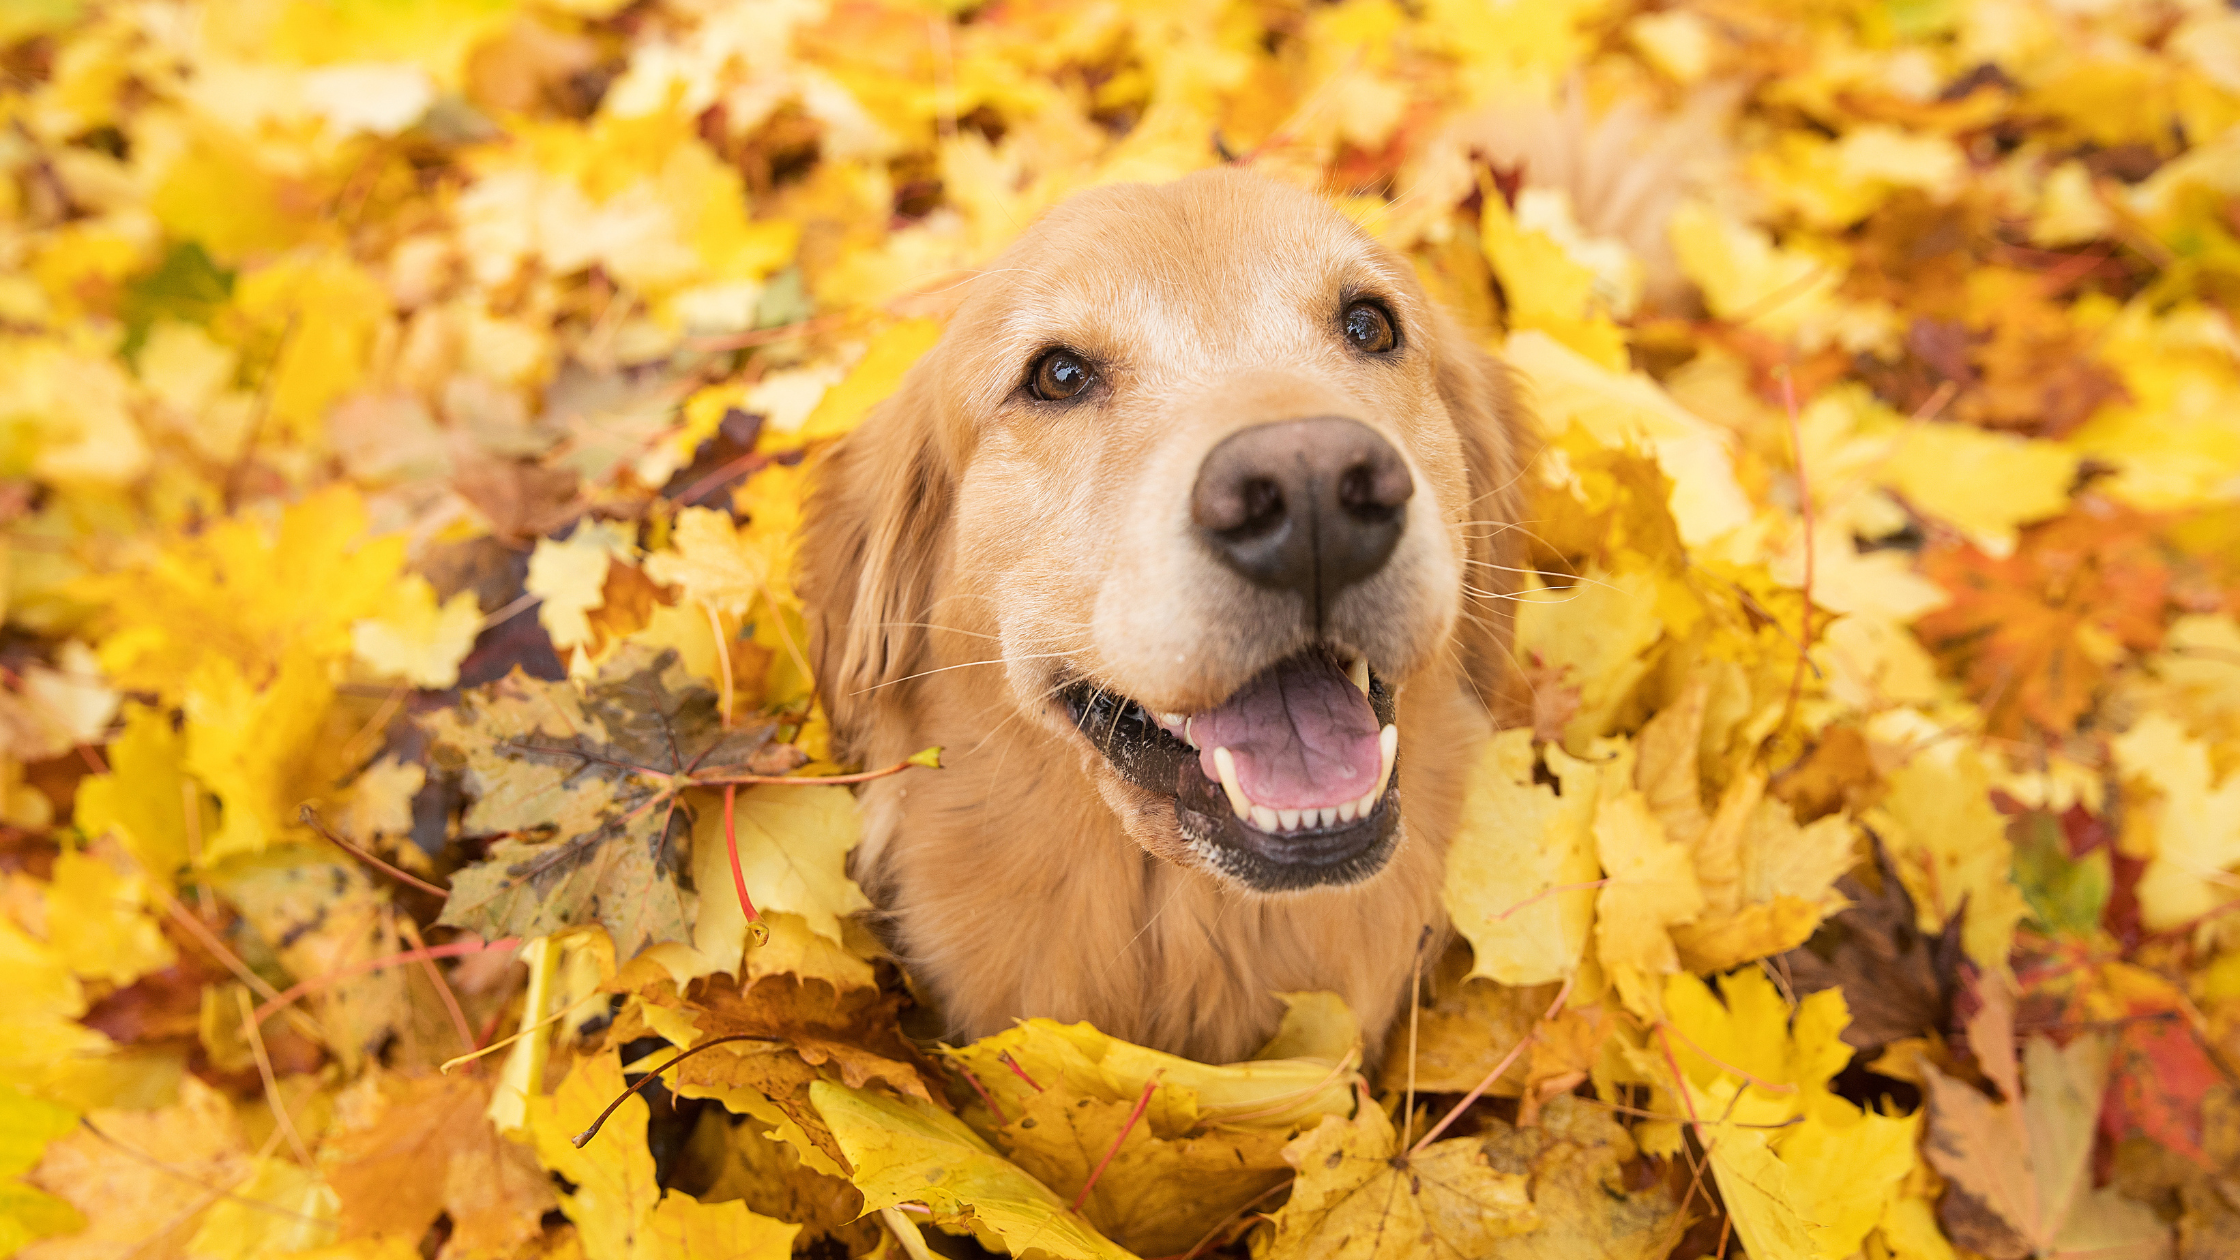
column 1263, row 506
column 1357, row 494
column 1375, row 489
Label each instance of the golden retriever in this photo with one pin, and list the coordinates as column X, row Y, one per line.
column 1186, row 543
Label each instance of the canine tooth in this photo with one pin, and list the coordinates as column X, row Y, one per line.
column 1264, row 818
column 1347, row 809
column 1288, row 818
column 1227, row 765
column 1388, row 748
column 1359, row 673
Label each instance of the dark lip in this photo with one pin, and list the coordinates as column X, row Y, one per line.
column 1147, row 756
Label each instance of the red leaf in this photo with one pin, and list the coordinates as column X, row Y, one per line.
column 2023, row 629
column 2161, row 1077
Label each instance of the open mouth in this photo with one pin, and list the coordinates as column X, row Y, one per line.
column 1289, row 783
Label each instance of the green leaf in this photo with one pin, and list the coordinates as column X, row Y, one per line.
column 186, row 286
column 2067, row 895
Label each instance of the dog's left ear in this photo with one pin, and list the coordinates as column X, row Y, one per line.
column 1480, row 394
column 874, row 535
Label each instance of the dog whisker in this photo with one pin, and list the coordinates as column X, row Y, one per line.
column 1578, row 579
column 943, row 669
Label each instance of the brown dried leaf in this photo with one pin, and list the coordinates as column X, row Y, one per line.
column 1898, row 982
column 411, row 1148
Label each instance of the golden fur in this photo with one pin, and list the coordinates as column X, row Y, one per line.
column 966, row 547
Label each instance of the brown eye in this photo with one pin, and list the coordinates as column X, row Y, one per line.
column 1059, row 375
column 1369, row 328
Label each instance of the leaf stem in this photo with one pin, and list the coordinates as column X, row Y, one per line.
column 411, row 932
column 1495, row 1075
column 402, row 876
column 296, row 991
column 982, row 1090
column 755, row 924
column 793, row 780
column 1142, row 1101
column 1018, row 1071
column 649, row 1078
column 1804, row 516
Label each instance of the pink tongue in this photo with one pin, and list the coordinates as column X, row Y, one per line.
column 1302, row 734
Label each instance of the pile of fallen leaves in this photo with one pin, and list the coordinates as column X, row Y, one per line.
column 404, row 412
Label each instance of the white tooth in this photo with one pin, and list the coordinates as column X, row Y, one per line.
column 1359, row 673
column 1264, row 818
column 1326, row 817
column 1171, row 719
column 1347, row 810
column 1289, row 818
column 1388, row 747
column 1227, row 765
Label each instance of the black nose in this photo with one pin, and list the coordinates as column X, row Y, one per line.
column 1303, row 505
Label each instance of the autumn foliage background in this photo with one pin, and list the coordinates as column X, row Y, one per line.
column 405, row 407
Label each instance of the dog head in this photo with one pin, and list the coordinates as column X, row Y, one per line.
column 1207, row 477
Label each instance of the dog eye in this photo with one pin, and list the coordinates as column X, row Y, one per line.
column 1369, row 328
column 1059, row 375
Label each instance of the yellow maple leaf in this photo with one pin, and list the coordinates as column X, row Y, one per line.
column 570, row 578
column 69, row 414
column 876, row 375
column 1262, row 1093
column 1805, row 1174
column 416, row 639
column 1652, row 887
column 2195, row 824
column 1951, row 846
column 261, row 753
column 727, row 567
column 1520, row 864
column 1547, row 288
column 793, row 850
column 97, row 921
column 102, row 1169
column 1595, row 635
column 2199, row 668
column 326, row 311
column 2171, row 443
column 145, row 797
column 41, row 1032
column 1942, row 469
column 1786, row 291
column 1616, row 407
column 1159, row 1193
column 244, row 1226
column 1359, row 1197
column 620, row 1212
column 27, row 1124
column 247, row 594
column 907, row 1151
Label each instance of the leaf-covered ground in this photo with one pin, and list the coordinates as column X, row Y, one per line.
column 404, row 411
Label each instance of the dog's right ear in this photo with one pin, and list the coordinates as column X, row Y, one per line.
column 874, row 535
